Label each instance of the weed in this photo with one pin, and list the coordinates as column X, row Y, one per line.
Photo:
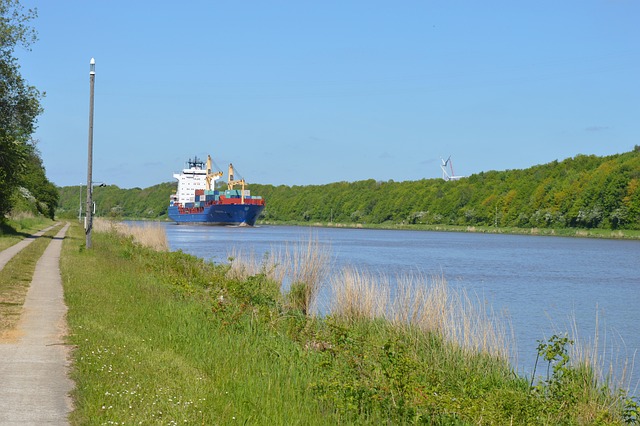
column 631, row 411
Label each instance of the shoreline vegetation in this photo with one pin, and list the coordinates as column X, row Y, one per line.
column 618, row 234
column 626, row 234
column 169, row 338
column 581, row 196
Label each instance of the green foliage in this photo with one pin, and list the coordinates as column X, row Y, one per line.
column 631, row 411
column 555, row 352
column 19, row 102
column 35, row 181
column 585, row 192
column 257, row 291
column 569, row 393
column 117, row 203
column 297, row 297
column 580, row 192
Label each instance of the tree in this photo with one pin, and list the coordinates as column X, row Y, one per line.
column 19, row 102
column 33, row 178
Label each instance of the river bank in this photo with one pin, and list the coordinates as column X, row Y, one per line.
column 197, row 344
column 628, row 234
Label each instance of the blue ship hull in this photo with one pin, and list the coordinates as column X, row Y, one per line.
column 218, row 214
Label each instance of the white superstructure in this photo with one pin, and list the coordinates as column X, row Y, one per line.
column 196, row 176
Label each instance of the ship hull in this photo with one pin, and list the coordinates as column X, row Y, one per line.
column 218, row 214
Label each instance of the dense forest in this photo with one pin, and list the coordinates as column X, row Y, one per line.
column 23, row 182
column 582, row 192
column 114, row 202
column 585, row 191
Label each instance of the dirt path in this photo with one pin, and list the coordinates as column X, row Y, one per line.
column 34, row 387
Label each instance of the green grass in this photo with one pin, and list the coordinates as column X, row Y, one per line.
column 14, row 230
column 166, row 338
column 151, row 348
column 15, row 279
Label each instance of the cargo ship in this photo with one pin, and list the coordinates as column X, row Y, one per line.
column 197, row 201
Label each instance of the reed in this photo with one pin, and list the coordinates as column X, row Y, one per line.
column 421, row 303
column 427, row 305
column 307, row 268
column 411, row 301
column 149, row 234
column 300, row 268
column 472, row 323
column 604, row 360
column 244, row 264
column 359, row 295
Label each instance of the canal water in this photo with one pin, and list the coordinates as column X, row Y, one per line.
column 540, row 285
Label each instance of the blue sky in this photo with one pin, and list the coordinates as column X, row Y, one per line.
column 299, row 93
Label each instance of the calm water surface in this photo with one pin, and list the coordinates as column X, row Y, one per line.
column 540, row 284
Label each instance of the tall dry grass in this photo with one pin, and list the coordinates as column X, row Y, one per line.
column 427, row 305
column 411, row 301
column 358, row 294
column 605, row 357
column 300, row 267
column 149, row 234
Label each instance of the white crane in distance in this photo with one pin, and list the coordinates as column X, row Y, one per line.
column 445, row 174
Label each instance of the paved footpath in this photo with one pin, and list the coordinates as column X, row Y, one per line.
column 34, row 386
column 6, row 255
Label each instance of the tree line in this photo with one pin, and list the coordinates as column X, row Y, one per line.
column 23, row 182
column 585, row 191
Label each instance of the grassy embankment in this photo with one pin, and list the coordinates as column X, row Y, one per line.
column 168, row 338
column 15, row 277
column 19, row 227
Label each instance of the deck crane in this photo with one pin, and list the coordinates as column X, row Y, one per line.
column 210, row 175
column 231, row 182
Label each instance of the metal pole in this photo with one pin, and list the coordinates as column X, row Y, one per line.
column 80, row 205
column 89, row 209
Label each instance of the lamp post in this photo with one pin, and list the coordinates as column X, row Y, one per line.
column 89, row 209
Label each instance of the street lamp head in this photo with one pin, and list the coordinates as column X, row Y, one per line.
column 92, row 66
